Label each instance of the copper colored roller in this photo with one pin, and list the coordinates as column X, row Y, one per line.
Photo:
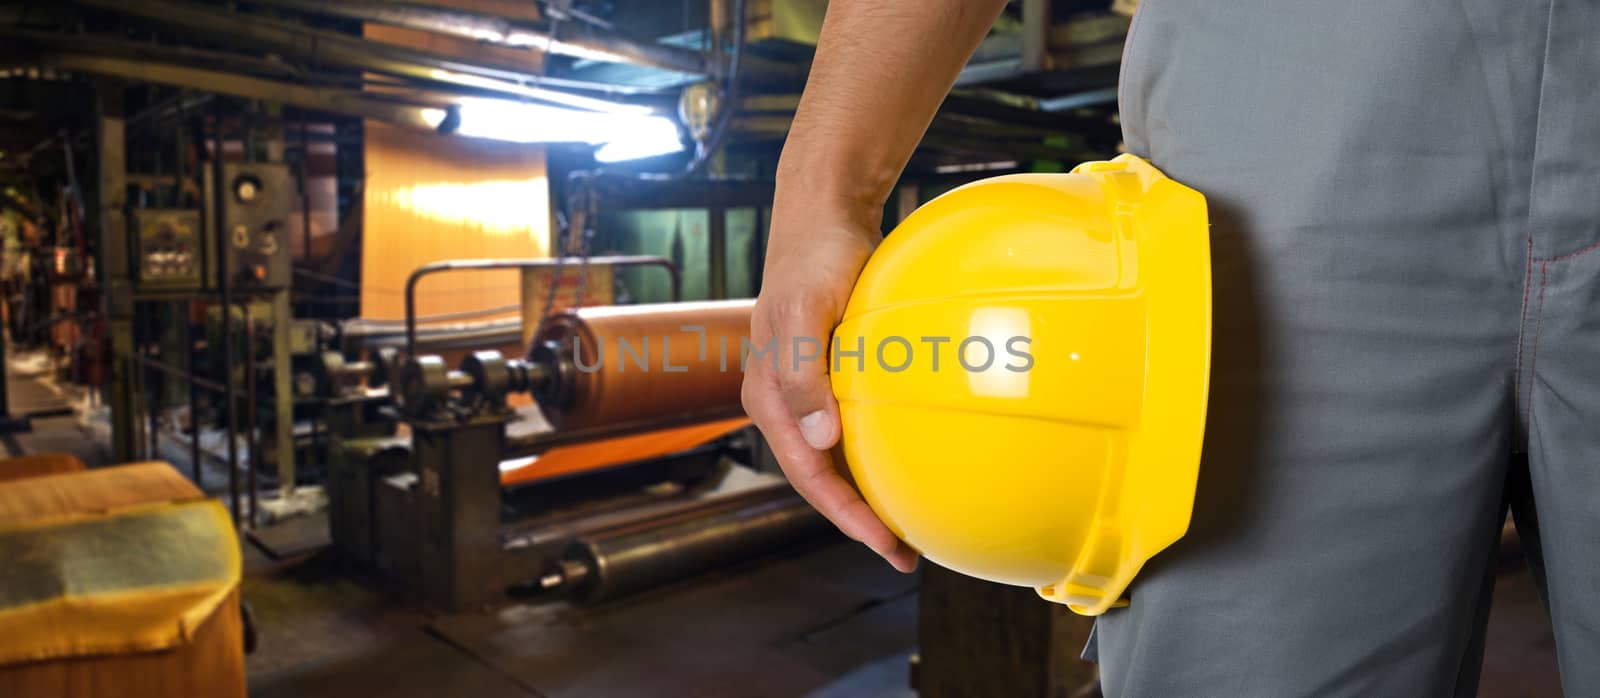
column 638, row 362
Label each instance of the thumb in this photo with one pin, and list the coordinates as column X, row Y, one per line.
column 803, row 382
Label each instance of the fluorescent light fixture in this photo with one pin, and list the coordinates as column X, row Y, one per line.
column 635, row 147
column 433, row 117
column 620, row 136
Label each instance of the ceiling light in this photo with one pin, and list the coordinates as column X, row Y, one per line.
column 619, row 136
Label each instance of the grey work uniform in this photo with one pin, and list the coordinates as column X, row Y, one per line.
column 1405, row 209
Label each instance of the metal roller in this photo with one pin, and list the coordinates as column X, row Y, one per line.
column 690, row 355
column 489, row 376
column 612, row 563
column 483, row 380
column 426, row 382
column 334, row 373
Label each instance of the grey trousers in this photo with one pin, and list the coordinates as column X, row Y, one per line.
column 1405, row 209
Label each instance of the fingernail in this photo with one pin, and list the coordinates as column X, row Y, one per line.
column 814, row 427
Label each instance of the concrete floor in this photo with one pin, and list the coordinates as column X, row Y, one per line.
column 326, row 635
column 824, row 621
column 827, row 622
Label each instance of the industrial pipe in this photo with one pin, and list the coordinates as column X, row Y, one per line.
column 613, row 563
column 596, row 43
column 329, row 48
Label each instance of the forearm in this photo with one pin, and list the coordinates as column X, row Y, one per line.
column 881, row 70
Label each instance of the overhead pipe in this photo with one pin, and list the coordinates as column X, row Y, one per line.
column 338, row 101
column 332, row 48
column 600, row 44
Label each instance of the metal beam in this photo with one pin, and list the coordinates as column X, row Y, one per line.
column 282, row 394
column 331, row 48
column 516, row 10
column 115, row 47
column 1035, row 35
column 349, row 102
column 622, row 192
column 597, row 44
column 111, row 198
column 717, row 251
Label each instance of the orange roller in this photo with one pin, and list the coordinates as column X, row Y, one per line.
column 629, row 363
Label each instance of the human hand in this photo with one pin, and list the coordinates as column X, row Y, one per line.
column 810, row 272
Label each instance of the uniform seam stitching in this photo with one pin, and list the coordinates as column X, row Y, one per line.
column 1533, row 355
column 1533, row 181
column 1575, row 253
column 1522, row 325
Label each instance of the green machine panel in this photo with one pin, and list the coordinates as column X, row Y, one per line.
column 170, row 254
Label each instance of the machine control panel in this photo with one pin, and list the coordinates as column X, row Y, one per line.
column 256, row 210
column 170, row 251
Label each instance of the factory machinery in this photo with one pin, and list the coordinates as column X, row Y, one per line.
column 633, row 465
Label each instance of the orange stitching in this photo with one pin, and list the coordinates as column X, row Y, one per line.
column 1570, row 255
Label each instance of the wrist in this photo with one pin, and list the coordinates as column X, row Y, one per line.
column 808, row 203
column 803, row 218
column 823, row 174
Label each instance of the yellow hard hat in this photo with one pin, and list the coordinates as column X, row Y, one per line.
column 1021, row 373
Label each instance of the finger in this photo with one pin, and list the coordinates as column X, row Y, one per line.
column 802, row 373
column 813, row 475
column 903, row 557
